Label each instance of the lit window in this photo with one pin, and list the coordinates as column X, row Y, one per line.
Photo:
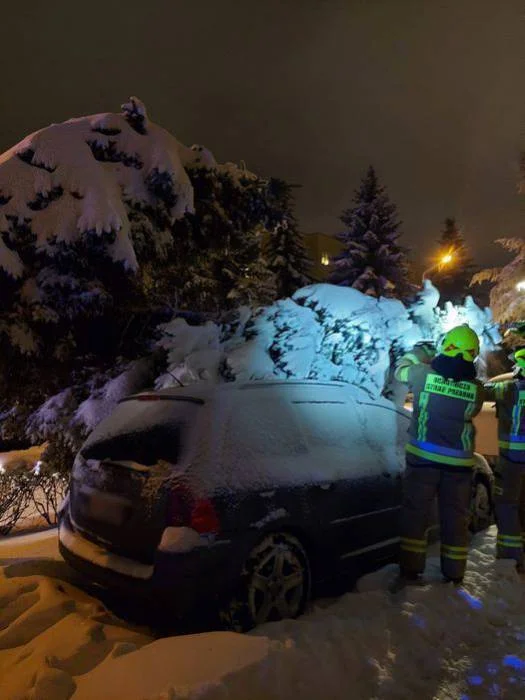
column 325, row 260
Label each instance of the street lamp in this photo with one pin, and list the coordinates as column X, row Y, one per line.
column 443, row 261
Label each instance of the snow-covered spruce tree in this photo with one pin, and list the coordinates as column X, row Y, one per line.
column 224, row 265
column 100, row 240
column 506, row 301
column 371, row 261
column 86, row 208
column 285, row 250
column 453, row 280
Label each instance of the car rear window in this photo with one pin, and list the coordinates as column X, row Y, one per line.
column 143, row 431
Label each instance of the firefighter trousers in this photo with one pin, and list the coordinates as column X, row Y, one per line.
column 509, row 501
column 453, row 490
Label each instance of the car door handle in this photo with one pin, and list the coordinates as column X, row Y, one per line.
column 389, row 475
column 326, row 485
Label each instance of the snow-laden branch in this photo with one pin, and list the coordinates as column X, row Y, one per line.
column 72, row 180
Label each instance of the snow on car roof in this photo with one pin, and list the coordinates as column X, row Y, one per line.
column 206, row 389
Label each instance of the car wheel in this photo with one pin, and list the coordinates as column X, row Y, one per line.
column 480, row 508
column 275, row 584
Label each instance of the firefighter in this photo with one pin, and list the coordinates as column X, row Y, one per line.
column 439, row 452
column 509, row 490
column 514, row 333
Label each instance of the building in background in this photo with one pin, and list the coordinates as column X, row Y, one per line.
column 321, row 248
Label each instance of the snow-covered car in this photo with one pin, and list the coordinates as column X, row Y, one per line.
column 246, row 493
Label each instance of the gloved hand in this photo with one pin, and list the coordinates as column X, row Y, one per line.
column 517, row 328
column 425, row 351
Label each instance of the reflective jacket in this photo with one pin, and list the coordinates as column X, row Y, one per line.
column 441, row 430
column 510, row 409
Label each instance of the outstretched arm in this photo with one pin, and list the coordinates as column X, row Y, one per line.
column 497, row 390
column 422, row 353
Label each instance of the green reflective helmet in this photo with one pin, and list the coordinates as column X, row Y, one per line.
column 461, row 340
column 519, row 358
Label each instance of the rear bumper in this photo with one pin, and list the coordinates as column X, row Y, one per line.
column 185, row 578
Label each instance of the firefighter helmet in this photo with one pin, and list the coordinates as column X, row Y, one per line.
column 519, row 358
column 461, row 340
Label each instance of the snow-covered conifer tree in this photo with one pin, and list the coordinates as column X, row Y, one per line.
column 83, row 204
column 100, row 240
column 98, row 227
column 86, row 210
column 225, row 265
column 372, row 261
column 285, row 250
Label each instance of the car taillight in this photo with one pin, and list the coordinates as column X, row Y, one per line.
column 204, row 518
column 186, row 511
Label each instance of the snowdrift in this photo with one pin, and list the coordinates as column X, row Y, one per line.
column 436, row 641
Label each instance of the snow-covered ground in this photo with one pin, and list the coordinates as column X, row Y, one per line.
column 18, row 459
column 435, row 641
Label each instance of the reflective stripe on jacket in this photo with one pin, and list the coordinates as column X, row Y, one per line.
column 441, row 428
column 510, row 409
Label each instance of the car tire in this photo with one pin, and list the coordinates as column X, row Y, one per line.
column 275, row 584
column 480, row 517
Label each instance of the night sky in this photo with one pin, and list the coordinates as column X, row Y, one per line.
column 429, row 91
